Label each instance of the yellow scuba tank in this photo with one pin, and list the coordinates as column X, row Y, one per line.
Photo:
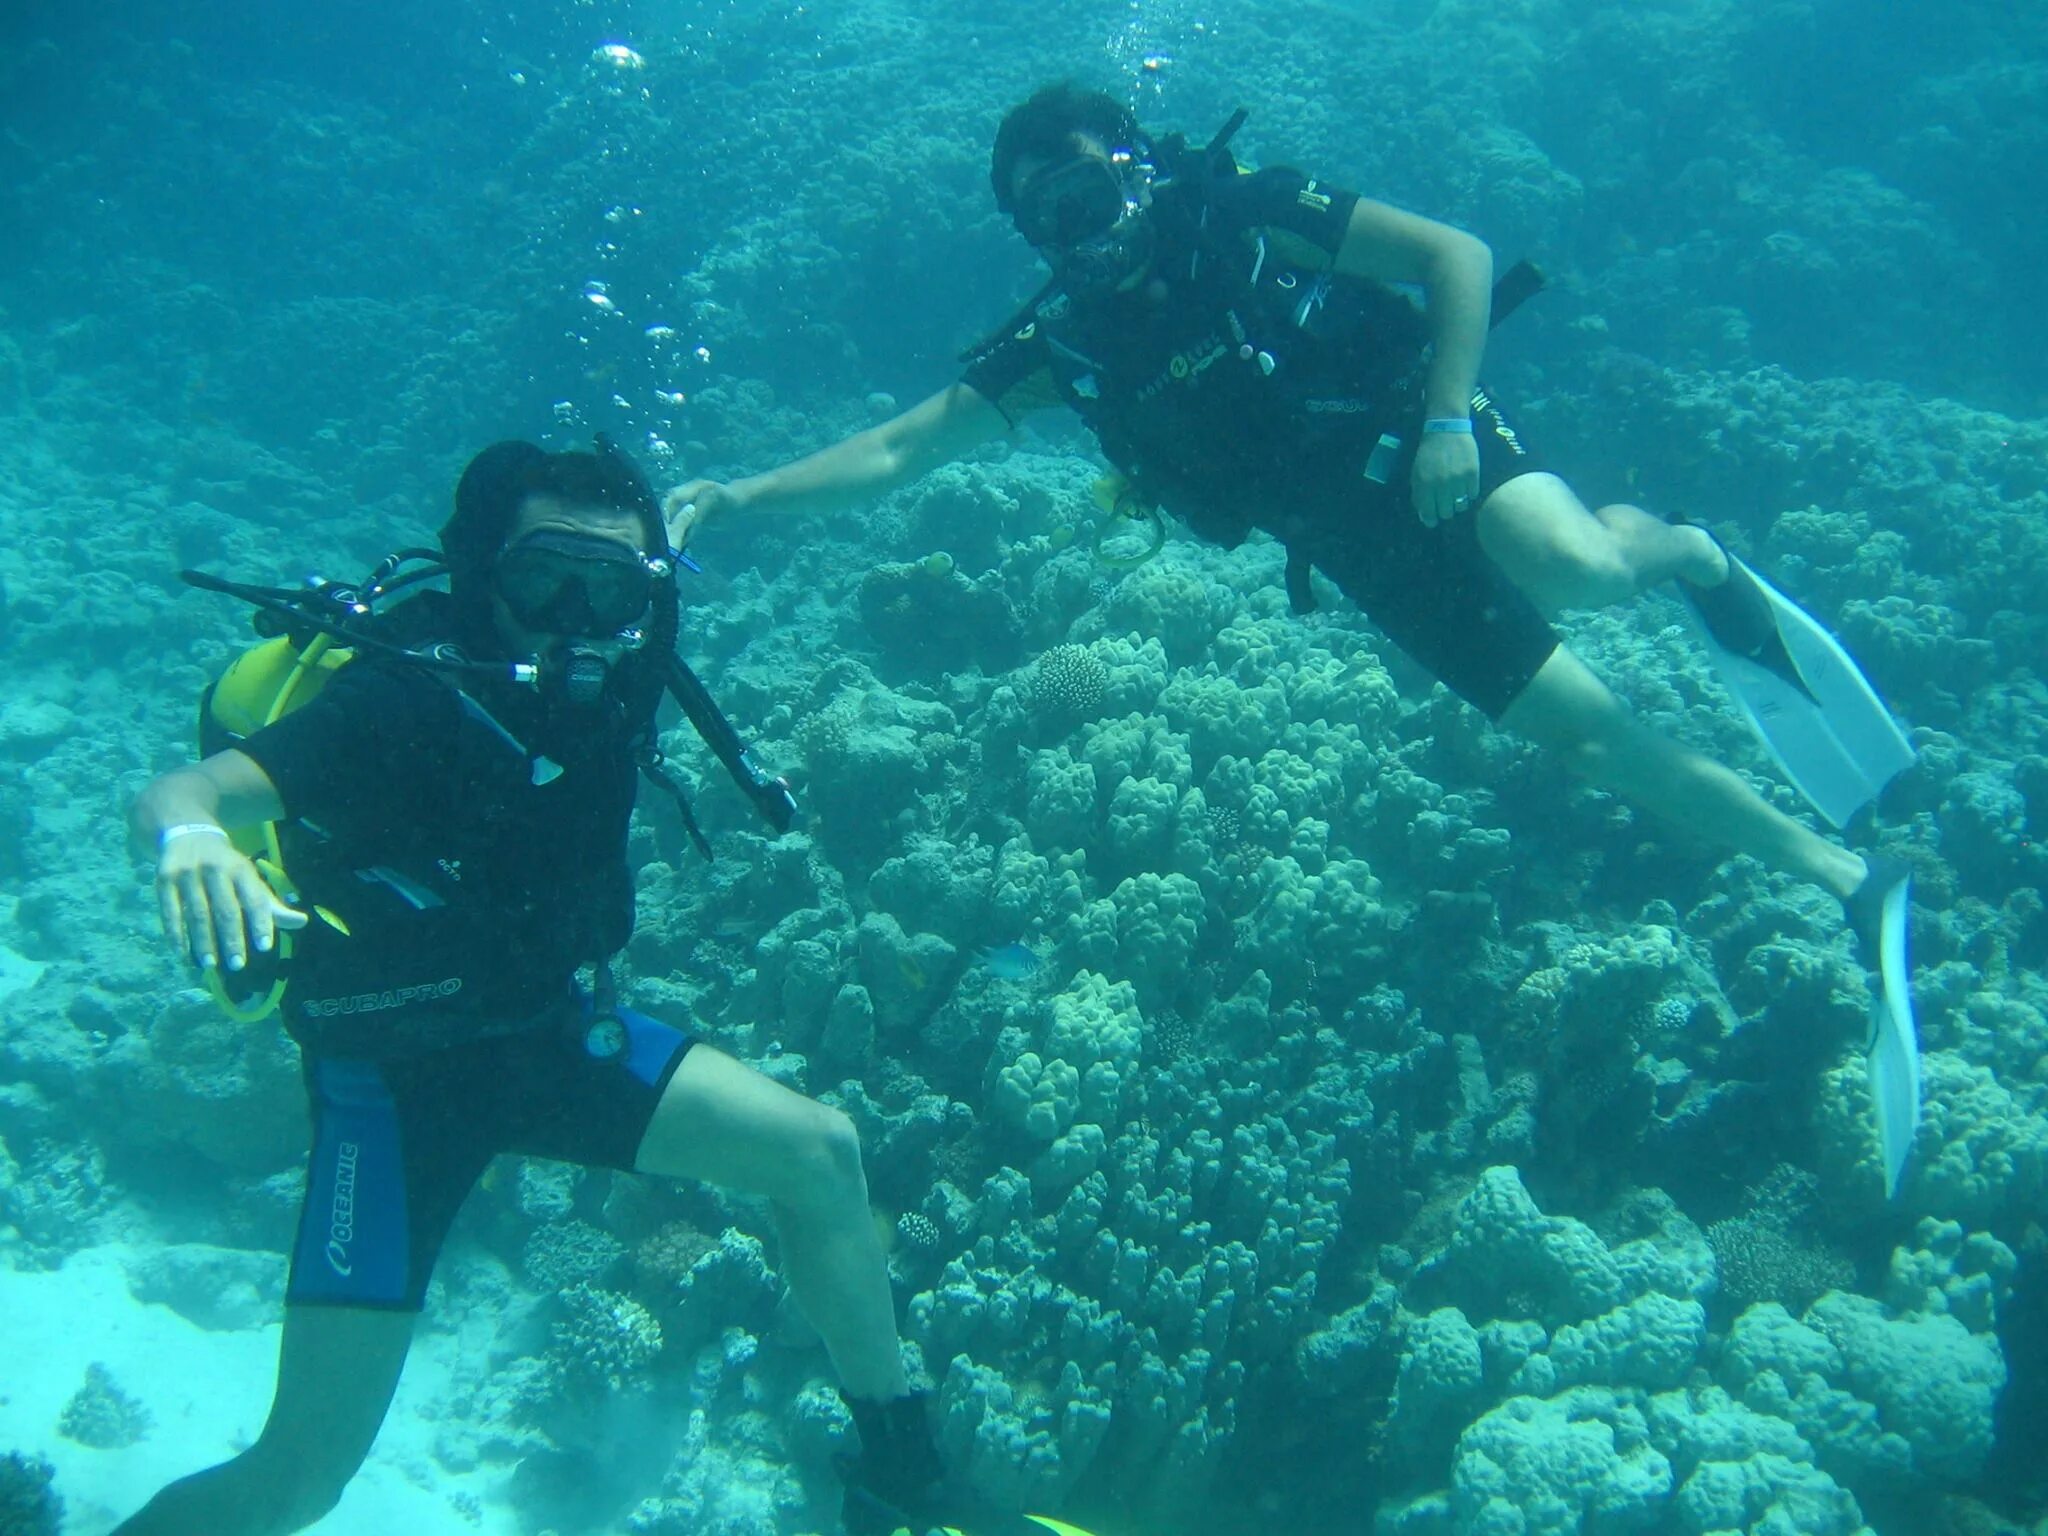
column 261, row 686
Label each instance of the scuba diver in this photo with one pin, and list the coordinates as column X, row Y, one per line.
column 437, row 798
column 1239, row 344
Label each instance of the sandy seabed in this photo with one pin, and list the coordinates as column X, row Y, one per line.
column 206, row 1391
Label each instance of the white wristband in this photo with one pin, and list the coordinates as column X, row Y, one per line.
column 170, row 835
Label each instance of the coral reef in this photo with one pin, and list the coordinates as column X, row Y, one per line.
column 1366, row 1062
column 101, row 1415
column 29, row 1504
column 604, row 1338
column 1769, row 1253
column 565, row 1254
column 1812, row 1419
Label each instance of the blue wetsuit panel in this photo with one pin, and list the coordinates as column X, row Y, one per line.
column 399, row 1142
column 354, row 1245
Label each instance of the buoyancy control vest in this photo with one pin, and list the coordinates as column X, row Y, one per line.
column 1255, row 375
column 1258, row 383
column 443, row 926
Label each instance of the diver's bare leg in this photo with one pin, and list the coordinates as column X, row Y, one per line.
column 1569, row 710
column 337, row 1368
column 724, row 1123
column 1537, row 530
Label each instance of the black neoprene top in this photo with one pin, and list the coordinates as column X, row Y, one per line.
column 1017, row 374
column 473, row 878
column 1243, row 372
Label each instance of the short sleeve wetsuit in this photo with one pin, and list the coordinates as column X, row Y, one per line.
column 446, row 1027
column 1245, row 385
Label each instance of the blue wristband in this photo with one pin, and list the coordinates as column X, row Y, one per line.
column 1449, row 424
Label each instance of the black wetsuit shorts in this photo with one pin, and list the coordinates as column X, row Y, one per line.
column 1434, row 591
column 399, row 1142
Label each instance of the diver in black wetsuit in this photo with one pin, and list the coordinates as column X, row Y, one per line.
column 1235, row 341
column 456, row 842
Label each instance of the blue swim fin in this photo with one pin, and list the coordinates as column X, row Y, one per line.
column 1877, row 911
column 1807, row 701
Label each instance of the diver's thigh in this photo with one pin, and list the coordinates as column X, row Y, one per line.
column 722, row 1122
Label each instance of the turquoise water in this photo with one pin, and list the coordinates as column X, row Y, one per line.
column 1392, row 1133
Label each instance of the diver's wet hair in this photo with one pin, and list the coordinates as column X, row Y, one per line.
column 498, row 481
column 1043, row 128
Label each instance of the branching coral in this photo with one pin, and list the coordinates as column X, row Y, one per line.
column 1067, row 686
column 101, row 1415
column 605, row 1338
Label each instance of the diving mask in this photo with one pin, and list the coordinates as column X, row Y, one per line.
column 574, row 584
column 1071, row 200
column 1088, row 215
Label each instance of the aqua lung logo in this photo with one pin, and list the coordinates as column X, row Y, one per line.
column 1186, row 365
column 378, row 1002
column 341, row 1217
column 1481, row 401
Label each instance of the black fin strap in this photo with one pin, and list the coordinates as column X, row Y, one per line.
column 771, row 796
column 1519, row 284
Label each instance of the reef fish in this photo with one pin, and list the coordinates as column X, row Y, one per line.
column 1011, row 962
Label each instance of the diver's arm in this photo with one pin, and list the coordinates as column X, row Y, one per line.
column 855, row 469
column 1455, row 271
column 214, row 903
column 228, row 789
column 1456, row 274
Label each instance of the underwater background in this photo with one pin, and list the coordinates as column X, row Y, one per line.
column 1383, row 1133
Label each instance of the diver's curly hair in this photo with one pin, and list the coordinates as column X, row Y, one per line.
column 1044, row 126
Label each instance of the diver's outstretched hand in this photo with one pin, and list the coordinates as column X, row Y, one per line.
column 691, row 503
column 216, row 905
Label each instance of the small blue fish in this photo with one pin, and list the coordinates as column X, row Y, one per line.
column 1014, row 961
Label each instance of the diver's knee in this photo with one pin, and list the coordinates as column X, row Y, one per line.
column 265, row 1491
column 300, row 1483
column 1605, row 574
column 1585, row 756
column 1587, row 730
column 824, row 1167
column 310, row 1492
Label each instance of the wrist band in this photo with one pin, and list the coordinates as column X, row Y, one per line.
column 1449, row 424
column 170, row 835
